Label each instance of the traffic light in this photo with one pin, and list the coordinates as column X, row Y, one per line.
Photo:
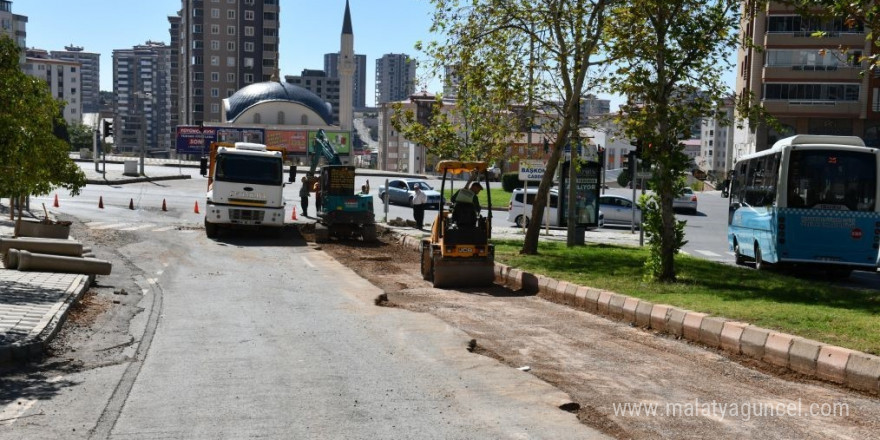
column 638, row 144
column 108, row 129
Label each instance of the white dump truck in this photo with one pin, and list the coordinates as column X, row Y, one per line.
column 245, row 186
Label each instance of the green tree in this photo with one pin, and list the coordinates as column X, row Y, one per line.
column 516, row 59
column 672, row 54
column 80, row 136
column 32, row 159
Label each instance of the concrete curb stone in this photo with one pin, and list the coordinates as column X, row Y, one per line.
column 514, row 278
column 571, row 294
column 803, row 355
column 630, row 305
column 550, row 290
column 675, row 321
column 559, row 292
column 643, row 314
column 710, row 331
column 591, row 302
column 602, row 302
column 863, row 372
column 753, row 340
column 730, row 336
column 615, row 305
column 831, row 363
column 581, row 297
column 776, row 348
column 660, row 317
column 691, row 325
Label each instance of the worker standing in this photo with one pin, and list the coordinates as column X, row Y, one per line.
column 304, row 196
column 418, row 205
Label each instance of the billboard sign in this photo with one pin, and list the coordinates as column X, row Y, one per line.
column 531, row 170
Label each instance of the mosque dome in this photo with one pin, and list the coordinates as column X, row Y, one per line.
column 257, row 93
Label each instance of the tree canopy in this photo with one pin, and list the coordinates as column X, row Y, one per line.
column 33, row 160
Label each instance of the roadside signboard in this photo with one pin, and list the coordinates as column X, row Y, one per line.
column 531, row 170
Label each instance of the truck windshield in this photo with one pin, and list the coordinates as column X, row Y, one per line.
column 249, row 169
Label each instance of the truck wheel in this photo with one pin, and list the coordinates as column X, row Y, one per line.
column 211, row 229
column 427, row 262
column 521, row 221
column 322, row 234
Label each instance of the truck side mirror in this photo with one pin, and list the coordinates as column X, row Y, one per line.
column 203, row 166
column 291, row 177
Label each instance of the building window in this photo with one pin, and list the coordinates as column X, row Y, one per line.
column 197, row 29
column 811, row 92
column 198, row 107
column 230, row 77
column 875, row 103
column 197, row 12
column 248, row 31
column 215, row 13
column 230, row 45
column 230, row 92
column 249, row 78
column 198, row 76
column 269, row 16
column 215, row 45
column 215, row 108
column 249, row 63
column 249, row 15
column 197, row 44
column 215, row 60
column 230, row 30
column 248, row 46
column 215, row 76
column 215, row 29
column 230, row 61
column 230, row 14
column 215, row 92
column 197, row 91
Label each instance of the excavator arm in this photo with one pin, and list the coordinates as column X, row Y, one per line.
column 322, row 148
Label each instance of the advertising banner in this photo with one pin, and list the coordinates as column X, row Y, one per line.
column 531, row 170
column 340, row 140
column 194, row 140
column 292, row 141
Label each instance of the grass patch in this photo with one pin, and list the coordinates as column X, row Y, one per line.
column 810, row 308
column 500, row 198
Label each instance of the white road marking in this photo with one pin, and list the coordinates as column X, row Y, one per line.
column 15, row 410
column 709, row 253
column 166, row 228
column 308, row 263
column 135, row 228
column 113, row 226
column 93, row 224
column 159, row 272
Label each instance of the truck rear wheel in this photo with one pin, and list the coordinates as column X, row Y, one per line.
column 369, row 233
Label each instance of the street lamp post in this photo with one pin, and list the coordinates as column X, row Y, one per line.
column 142, row 132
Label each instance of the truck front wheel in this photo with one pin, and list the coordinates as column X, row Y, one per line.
column 211, row 229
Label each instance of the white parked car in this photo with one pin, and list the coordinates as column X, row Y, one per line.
column 619, row 210
column 516, row 215
column 687, row 200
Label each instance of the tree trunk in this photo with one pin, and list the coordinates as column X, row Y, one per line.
column 530, row 243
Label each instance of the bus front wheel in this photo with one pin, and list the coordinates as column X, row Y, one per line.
column 737, row 255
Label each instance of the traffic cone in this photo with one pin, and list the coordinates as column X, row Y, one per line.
column 56, row 201
column 163, row 206
column 196, row 209
column 131, row 204
column 293, row 214
column 101, row 202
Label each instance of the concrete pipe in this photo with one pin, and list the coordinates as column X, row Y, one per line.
column 10, row 261
column 52, row 246
column 58, row 263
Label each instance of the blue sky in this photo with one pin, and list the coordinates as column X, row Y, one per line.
column 309, row 29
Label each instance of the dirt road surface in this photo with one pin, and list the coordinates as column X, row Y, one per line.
column 629, row 382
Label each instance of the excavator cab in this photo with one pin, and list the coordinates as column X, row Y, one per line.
column 458, row 252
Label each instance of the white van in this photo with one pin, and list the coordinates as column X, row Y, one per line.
column 516, row 215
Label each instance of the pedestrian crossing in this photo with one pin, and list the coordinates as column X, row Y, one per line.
column 145, row 227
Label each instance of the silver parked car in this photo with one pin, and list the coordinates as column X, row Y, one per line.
column 520, row 215
column 618, row 210
column 687, row 200
column 402, row 191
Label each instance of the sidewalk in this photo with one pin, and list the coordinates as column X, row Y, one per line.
column 33, row 305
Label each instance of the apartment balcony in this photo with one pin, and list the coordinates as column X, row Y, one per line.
column 812, row 73
column 833, row 40
column 812, row 108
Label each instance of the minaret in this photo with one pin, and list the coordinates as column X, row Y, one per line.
column 346, row 73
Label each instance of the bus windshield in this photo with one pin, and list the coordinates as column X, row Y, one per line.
column 832, row 179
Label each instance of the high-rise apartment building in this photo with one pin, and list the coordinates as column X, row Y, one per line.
column 174, row 31
column 806, row 83
column 395, row 78
column 359, row 96
column 90, row 74
column 224, row 46
column 317, row 82
column 63, row 79
column 142, row 105
column 14, row 26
